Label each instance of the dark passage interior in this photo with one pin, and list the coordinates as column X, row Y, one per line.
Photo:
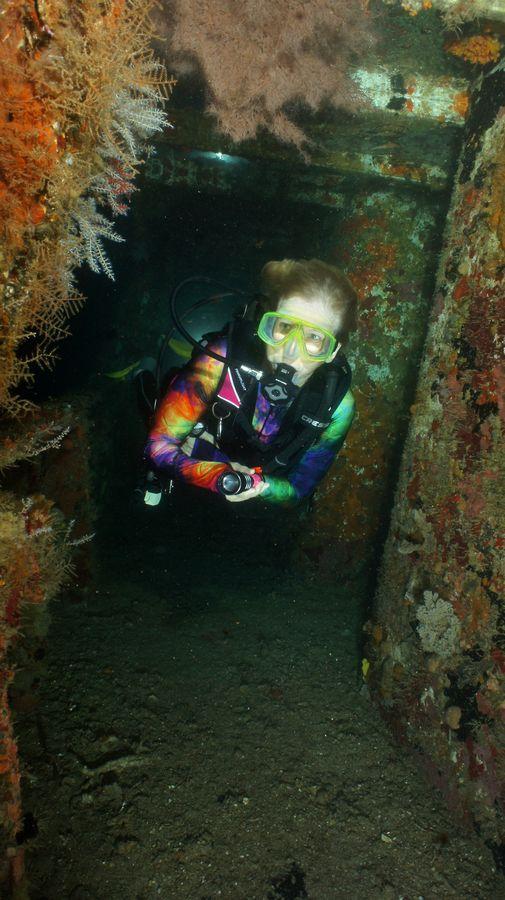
column 213, row 735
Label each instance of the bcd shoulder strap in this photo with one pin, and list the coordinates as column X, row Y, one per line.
column 308, row 421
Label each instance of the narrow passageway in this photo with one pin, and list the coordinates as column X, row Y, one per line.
column 256, row 249
column 204, row 732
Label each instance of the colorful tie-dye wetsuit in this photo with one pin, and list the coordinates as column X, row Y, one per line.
column 186, row 403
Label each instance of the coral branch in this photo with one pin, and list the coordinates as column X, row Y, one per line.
column 80, row 94
column 258, row 58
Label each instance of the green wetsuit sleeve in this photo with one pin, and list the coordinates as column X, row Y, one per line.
column 315, row 462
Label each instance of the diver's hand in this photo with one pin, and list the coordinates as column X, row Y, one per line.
column 248, row 495
column 240, row 468
column 252, row 492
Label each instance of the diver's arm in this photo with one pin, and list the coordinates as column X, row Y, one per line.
column 185, row 404
column 315, row 462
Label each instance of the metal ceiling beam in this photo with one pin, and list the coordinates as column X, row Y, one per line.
column 443, row 98
column 409, row 132
column 492, row 10
column 488, row 10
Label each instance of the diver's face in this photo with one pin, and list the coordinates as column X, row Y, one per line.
column 317, row 313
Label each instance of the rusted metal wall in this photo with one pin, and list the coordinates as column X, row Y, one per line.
column 437, row 641
column 387, row 243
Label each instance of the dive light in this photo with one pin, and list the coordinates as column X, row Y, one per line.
column 237, row 482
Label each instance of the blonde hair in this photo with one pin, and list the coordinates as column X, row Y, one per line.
column 312, row 280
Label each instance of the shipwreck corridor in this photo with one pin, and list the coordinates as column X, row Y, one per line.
column 247, row 701
column 204, row 727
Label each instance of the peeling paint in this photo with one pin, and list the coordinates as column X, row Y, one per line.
column 427, row 97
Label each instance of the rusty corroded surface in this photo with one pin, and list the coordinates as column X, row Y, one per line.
column 387, row 160
column 386, row 243
column 455, row 11
column 410, row 94
column 438, row 642
column 397, row 147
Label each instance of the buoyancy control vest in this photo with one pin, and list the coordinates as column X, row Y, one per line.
column 230, row 414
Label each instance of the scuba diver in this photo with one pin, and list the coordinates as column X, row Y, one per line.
column 263, row 407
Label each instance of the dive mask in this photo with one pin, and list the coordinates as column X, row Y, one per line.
column 315, row 343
